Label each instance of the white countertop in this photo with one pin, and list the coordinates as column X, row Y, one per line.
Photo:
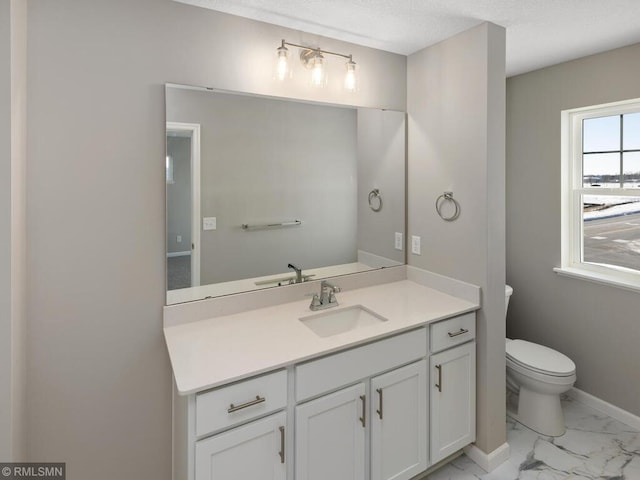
column 209, row 353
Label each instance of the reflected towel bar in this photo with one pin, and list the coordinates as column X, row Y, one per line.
column 294, row 223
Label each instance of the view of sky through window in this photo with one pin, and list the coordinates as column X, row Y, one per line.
column 611, row 151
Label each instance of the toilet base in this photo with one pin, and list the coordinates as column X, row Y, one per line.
column 540, row 412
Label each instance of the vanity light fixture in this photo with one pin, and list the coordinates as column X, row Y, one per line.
column 314, row 60
column 350, row 79
column 282, row 68
column 318, row 70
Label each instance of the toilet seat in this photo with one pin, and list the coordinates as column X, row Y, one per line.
column 546, row 379
column 536, row 358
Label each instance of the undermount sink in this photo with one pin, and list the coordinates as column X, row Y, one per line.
column 327, row 324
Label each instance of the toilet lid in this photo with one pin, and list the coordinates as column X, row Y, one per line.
column 539, row 358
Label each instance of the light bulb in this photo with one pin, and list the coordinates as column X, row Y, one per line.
column 318, row 73
column 350, row 80
column 282, row 68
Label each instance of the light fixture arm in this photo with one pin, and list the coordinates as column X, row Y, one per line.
column 317, row 50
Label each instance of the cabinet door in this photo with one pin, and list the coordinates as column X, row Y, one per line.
column 453, row 400
column 399, row 423
column 254, row 451
column 330, row 436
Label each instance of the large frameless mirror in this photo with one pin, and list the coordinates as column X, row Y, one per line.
column 264, row 192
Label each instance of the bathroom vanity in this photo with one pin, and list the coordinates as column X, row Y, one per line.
column 385, row 392
column 379, row 386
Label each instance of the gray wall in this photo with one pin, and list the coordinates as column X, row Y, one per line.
column 382, row 165
column 595, row 325
column 179, row 195
column 12, row 230
column 265, row 161
column 99, row 380
column 456, row 95
column 5, row 231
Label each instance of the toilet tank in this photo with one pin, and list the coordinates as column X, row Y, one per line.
column 507, row 293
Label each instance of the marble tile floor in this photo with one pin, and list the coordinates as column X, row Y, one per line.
column 594, row 446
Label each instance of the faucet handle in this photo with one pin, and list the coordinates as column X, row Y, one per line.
column 315, row 301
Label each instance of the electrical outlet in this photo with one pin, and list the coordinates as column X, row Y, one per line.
column 415, row 245
column 209, row 223
column 179, row 239
column 398, row 243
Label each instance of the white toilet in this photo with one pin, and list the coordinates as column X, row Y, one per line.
column 537, row 375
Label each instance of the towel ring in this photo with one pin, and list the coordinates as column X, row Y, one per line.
column 447, row 197
column 375, row 200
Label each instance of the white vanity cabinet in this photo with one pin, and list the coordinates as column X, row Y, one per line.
column 385, row 410
column 332, row 431
column 331, row 436
column 249, row 444
column 399, row 430
column 452, row 386
column 254, row 451
column 383, row 413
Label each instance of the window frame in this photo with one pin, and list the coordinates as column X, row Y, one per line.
column 572, row 189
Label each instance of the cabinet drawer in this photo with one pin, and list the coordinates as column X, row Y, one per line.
column 334, row 371
column 239, row 402
column 453, row 331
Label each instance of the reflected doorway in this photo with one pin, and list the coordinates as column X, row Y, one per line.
column 183, row 205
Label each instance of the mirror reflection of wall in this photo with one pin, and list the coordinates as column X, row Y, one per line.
column 265, row 161
column 381, row 166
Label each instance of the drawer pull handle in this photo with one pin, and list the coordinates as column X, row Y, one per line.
column 439, row 384
column 281, row 452
column 235, row 408
column 379, row 412
column 462, row 331
column 363, row 418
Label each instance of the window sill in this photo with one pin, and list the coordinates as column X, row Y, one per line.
column 600, row 278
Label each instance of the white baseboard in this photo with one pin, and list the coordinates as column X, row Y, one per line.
column 179, row 254
column 619, row 414
column 488, row 461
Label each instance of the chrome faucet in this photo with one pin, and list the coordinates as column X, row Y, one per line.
column 298, row 272
column 327, row 297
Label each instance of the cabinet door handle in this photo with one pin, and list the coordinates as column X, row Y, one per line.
column 462, row 331
column 439, row 384
column 234, row 408
column 281, row 452
column 363, row 418
column 379, row 412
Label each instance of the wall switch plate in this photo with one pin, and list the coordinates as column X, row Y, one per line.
column 398, row 242
column 209, row 223
column 179, row 239
column 415, row 244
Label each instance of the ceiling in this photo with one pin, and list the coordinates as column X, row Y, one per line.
column 539, row 32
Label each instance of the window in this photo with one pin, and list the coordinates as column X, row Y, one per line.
column 601, row 193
